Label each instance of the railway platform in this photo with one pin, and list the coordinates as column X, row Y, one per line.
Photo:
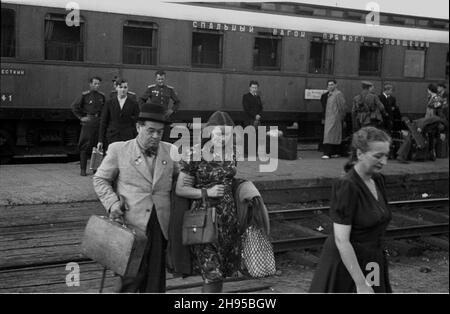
column 28, row 184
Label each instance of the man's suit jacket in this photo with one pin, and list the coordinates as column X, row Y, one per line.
column 118, row 124
column 124, row 172
column 252, row 106
column 393, row 120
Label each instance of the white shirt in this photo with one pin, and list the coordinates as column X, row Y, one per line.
column 121, row 102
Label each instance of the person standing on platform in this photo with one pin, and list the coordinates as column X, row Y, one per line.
column 360, row 214
column 113, row 93
column 88, row 108
column 393, row 118
column 367, row 109
column 252, row 104
column 140, row 172
column 161, row 94
column 334, row 119
column 119, row 116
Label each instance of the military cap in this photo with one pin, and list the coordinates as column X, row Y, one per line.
column 366, row 84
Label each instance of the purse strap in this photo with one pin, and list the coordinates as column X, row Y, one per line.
column 205, row 197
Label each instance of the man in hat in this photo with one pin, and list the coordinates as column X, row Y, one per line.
column 140, row 172
column 367, row 109
column 88, row 108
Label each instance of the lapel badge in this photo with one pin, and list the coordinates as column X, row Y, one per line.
column 138, row 160
column 164, row 162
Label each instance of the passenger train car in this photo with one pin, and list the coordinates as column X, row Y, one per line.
column 210, row 52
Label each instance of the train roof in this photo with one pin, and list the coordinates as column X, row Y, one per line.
column 191, row 12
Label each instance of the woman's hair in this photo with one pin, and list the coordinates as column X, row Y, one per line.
column 432, row 88
column 218, row 118
column 361, row 140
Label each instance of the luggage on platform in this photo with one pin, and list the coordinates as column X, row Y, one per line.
column 113, row 245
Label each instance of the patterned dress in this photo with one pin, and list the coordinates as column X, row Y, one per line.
column 216, row 260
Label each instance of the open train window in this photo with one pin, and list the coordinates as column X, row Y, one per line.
column 370, row 59
column 8, row 33
column 266, row 52
column 321, row 56
column 139, row 42
column 414, row 65
column 207, row 47
column 63, row 42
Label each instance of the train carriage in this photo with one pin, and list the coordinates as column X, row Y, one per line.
column 210, row 52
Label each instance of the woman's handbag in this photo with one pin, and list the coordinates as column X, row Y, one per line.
column 200, row 226
column 257, row 253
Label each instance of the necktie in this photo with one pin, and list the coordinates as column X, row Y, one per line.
column 151, row 151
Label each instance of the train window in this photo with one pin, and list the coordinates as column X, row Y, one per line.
column 355, row 16
column 423, row 23
column 8, row 33
column 207, row 48
column 439, row 24
column 266, row 52
column 337, row 13
column 269, row 6
column 139, row 42
column 400, row 20
column 321, row 56
column 370, row 59
column 414, row 65
column 63, row 42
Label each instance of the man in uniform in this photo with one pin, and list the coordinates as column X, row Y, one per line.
column 367, row 108
column 88, row 108
column 161, row 94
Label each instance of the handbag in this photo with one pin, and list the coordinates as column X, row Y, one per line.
column 200, row 226
column 257, row 253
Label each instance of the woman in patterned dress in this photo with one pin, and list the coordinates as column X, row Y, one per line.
column 213, row 167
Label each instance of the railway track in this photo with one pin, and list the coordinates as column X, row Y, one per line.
column 422, row 227
column 40, row 244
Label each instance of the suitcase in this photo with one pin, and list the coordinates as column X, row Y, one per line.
column 96, row 159
column 113, row 245
column 287, row 148
column 420, row 140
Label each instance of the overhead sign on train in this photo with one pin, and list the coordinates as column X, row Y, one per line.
column 301, row 34
column 17, row 72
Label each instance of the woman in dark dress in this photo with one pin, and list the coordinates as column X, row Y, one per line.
column 214, row 175
column 353, row 258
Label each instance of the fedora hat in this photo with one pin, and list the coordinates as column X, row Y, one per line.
column 153, row 112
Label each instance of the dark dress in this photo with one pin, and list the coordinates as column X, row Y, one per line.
column 219, row 260
column 353, row 204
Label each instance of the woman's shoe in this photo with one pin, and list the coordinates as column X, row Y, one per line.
column 212, row 287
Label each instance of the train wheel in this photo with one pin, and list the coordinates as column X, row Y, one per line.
column 6, row 147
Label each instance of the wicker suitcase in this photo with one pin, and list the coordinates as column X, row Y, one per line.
column 113, row 245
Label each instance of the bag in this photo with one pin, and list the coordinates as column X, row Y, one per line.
column 96, row 158
column 113, row 245
column 257, row 253
column 200, row 226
